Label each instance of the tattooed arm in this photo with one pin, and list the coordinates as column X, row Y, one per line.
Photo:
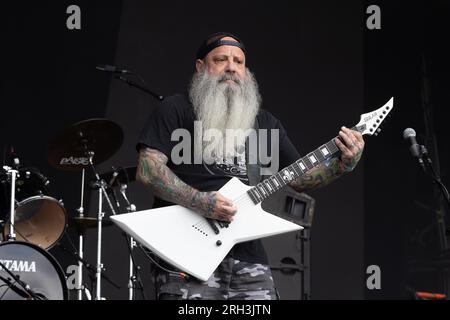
column 154, row 173
column 351, row 144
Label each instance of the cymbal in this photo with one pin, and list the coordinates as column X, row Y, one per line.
column 68, row 151
column 83, row 223
column 123, row 175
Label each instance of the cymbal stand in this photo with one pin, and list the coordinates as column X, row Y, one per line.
column 101, row 192
column 13, row 174
column 132, row 244
column 79, row 286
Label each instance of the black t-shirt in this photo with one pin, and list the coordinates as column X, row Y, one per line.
column 176, row 112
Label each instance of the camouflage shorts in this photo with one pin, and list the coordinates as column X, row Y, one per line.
column 232, row 280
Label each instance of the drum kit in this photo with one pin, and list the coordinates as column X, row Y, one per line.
column 32, row 221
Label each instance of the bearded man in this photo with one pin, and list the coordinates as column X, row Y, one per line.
column 224, row 98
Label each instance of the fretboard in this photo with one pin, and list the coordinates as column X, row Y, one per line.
column 277, row 181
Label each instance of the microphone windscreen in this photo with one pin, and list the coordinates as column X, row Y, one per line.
column 409, row 132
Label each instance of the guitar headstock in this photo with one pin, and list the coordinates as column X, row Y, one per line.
column 370, row 122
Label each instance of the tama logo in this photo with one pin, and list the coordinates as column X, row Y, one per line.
column 73, row 160
column 19, row 265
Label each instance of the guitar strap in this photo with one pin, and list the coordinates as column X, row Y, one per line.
column 253, row 170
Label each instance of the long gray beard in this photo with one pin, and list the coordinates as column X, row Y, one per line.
column 229, row 109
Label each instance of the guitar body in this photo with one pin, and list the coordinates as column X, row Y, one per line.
column 185, row 239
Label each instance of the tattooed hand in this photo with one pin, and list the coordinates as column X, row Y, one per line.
column 213, row 205
column 351, row 144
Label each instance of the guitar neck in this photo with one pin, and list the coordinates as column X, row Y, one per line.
column 277, row 181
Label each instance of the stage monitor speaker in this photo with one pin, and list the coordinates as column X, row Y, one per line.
column 289, row 254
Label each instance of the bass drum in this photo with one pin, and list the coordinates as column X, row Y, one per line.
column 35, row 267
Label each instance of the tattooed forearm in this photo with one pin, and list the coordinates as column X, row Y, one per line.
column 204, row 202
column 319, row 176
column 154, row 173
column 350, row 164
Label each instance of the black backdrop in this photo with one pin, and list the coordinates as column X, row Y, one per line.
column 318, row 68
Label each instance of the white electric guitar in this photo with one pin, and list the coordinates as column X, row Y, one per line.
column 196, row 246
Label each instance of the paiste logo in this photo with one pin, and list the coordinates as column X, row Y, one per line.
column 74, row 161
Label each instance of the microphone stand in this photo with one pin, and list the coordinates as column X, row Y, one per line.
column 143, row 87
column 140, row 87
column 435, row 176
column 437, row 180
column 439, row 208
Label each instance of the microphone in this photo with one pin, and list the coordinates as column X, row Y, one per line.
column 409, row 135
column 109, row 68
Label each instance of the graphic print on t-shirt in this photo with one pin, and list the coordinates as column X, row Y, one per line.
column 230, row 167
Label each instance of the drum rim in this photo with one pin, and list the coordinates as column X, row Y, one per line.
column 55, row 263
column 45, row 197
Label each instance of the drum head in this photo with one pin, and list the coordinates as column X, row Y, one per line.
column 40, row 220
column 35, row 267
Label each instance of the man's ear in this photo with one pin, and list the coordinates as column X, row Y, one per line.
column 199, row 65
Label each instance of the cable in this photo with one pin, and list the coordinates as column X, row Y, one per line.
column 181, row 274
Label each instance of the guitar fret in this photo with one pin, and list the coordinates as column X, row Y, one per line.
column 294, row 173
column 302, row 166
column 273, row 185
column 258, row 194
column 252, row 196
column 324, row 151
column 264, row 191
column 307, row 163
column 296, row 169
column 276, row 182
column 319, row 155
column 280, row 179
column 313, row 159
column 267, row 184
column 331, row 145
